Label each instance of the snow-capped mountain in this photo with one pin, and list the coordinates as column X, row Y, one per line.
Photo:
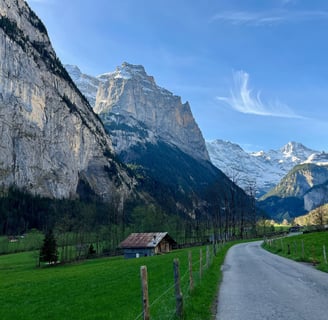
column 155, row 133
column 265, row 169
column 88, row 85
column 129, row 97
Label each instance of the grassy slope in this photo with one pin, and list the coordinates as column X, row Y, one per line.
column 313, row 248
column 104, row 288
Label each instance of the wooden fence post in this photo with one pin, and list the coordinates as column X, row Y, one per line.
column 200, row 263
column 295, row 248
column 324, row 254
column 191, row 281
column 302, row 249
column 178, row 293
column 144, row 285
column 207, row 256
column 314, row 260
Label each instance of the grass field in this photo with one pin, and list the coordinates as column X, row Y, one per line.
column 304, row 248
column 107, row 288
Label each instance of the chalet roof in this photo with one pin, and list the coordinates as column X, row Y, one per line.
column 144, row 240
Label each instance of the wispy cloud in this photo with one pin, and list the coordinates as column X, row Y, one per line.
column 243, row 100
column 267, row 18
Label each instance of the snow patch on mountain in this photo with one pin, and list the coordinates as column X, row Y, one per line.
column 265, row 169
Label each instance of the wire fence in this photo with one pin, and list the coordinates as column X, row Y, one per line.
column 164, row 305
column 298, row 249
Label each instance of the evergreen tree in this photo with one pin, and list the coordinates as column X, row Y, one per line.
column 49, row 252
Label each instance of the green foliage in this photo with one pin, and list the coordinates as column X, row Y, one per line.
column 49, row 252
column 13, row 32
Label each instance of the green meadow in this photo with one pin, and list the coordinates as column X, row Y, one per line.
column 308, row 247
column 106, row 288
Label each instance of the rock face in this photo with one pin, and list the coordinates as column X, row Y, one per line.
column 86, row 84
column 51, row 143
column 154, row 132
column 133, row 107
column 301, row 190
column 266, row 169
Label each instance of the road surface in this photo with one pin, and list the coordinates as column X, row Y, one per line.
column 258, row 285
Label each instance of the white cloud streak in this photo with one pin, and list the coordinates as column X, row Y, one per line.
column 242, row 100
column 267, row 18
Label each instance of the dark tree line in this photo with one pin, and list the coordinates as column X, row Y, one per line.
column 91, row 227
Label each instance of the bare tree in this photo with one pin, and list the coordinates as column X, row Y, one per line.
column 251, row 191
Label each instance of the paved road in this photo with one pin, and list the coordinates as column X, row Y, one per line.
column 259, row 285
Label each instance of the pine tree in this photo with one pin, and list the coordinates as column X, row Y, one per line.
column 49, row 252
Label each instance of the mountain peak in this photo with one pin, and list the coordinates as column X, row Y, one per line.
column 292, row 146
column 265, row 167
column 126, row 71
column 296, row 151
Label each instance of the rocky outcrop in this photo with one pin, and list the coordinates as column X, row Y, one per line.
column 133, row 107
column 86, row 84
column 51, row 141
column 302, row 189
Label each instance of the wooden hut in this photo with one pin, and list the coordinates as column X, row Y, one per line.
column 147, row 244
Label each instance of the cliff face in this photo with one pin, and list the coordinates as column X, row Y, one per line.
column 302, row 189
column 130, row 99
column 51, row 141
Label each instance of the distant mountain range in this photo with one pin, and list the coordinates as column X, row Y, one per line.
column 264, row 168
column 289, row 181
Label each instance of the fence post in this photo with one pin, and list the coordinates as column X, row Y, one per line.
column 144, row 286
column 178, row 293
column 295, row 248
column 191, row 281
column 207, row 256
column 324, row 254
column 314, row 261
column 200, row 263
column 302, row 249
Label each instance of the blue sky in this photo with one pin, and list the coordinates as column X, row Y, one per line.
column 254, row 71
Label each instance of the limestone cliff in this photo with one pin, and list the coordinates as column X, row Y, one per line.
column 302, row 189
column 51, row 141
column 129, row 100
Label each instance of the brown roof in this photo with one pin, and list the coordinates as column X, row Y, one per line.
column 144, row 240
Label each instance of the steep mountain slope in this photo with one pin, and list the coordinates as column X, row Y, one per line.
column 156, row 134
column 302, row 189
column 135, row 109
column 266, row 169
column 52, row 144
column 87, row 84
column 130, row 93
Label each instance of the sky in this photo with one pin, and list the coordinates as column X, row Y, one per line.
column 255, row 72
